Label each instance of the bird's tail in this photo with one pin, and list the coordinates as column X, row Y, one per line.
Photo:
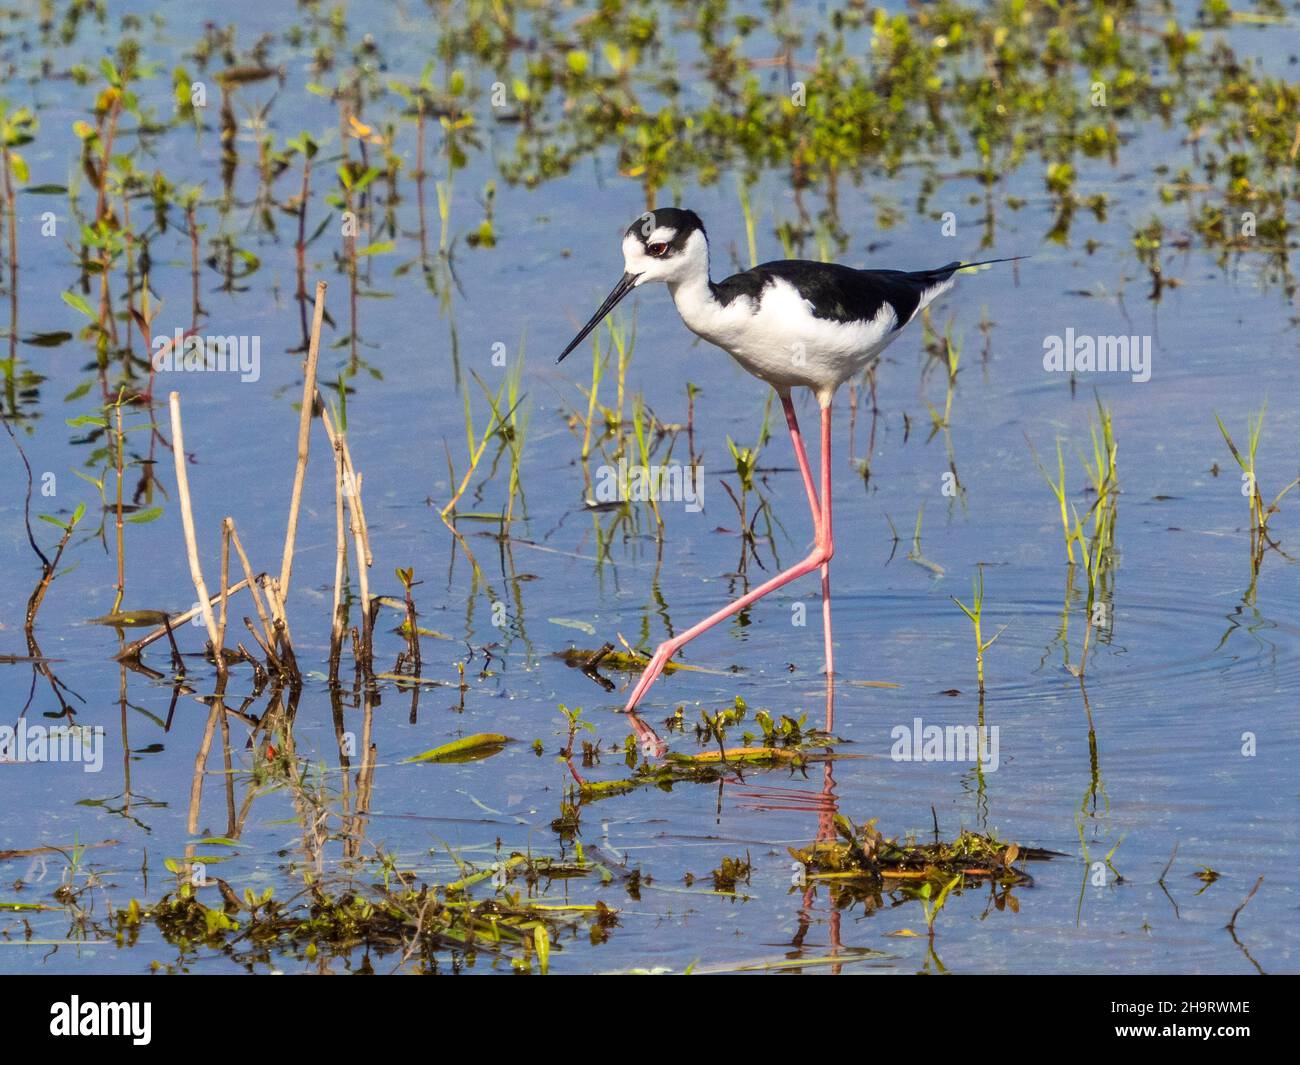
column 943, row 273
column 929, row 285
column 990, row 262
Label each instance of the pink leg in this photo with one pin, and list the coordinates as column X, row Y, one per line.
column 821, row 555
column 796, row 438
column 821, row 524
column 829, row 538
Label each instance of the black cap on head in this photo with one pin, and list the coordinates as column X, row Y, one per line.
column 684, row 222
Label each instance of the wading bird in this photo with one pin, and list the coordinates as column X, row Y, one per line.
column 792, row 323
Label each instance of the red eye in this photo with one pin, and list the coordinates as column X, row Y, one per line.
column 657, row 249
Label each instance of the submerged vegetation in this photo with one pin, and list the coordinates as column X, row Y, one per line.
column 859, row 857
column 1260, row 512
column 425, row 927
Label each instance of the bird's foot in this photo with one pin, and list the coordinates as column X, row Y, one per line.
column 649, row 740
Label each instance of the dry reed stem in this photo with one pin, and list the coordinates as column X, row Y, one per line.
column 340, row 558
column 272, row 588
column 363, row 578
column 187, row 521
column 309, row 396
column 262, row 614
column 339, row 439
column 225, row 585
column 257, row 637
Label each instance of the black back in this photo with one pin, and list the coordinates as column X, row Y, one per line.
column 840, row 293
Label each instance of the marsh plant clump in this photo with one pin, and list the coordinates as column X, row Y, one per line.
column 861, row 860
column 1261, row 512
column 403, row 925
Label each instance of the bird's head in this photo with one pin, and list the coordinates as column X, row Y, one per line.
column 667, row 244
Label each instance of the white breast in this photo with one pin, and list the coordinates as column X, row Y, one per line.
column 781, row 341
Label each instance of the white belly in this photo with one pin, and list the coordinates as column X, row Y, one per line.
column 780, row 340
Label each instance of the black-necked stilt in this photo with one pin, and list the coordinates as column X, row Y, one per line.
column 792, row 323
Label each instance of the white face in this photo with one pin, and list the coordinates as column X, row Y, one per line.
column 658, row 260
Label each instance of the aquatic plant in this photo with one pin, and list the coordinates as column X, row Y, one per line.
column 975, row 612
column 1260, row 512
column 1058, row 488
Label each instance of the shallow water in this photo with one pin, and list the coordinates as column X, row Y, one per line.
column 1195, row 655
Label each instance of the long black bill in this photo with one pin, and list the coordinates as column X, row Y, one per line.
column 611, row 301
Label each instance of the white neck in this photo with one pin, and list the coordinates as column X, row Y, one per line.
column 694, row 287
column 690, row 288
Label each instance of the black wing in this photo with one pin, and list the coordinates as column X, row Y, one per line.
column 840, row 293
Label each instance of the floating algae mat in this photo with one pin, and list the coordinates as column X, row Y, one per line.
column 863, row 854
column 403, row 919
column 788, row 743
column 702, row 768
